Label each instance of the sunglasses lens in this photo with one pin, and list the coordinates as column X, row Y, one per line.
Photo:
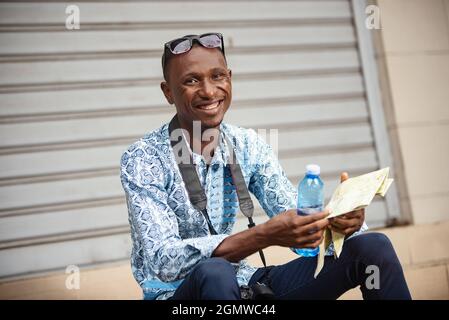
column 211, row 41
column 180, row 46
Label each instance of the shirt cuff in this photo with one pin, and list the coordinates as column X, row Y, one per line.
column 207, row 244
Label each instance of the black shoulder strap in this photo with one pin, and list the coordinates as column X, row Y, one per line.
column 189, row 175
column 196, row 193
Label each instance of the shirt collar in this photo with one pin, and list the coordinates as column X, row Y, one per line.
column 220, row 152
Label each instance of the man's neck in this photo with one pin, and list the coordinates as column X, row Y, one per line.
column 202, row 140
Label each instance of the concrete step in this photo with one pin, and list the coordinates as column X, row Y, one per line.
column 422, row 249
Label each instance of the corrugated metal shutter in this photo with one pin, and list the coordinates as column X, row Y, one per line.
column 72, row 101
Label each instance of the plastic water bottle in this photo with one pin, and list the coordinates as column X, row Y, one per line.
column 310, row 200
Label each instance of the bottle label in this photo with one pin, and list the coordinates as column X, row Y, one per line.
column 310, row 210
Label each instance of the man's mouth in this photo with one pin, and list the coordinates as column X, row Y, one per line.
column 210, row 105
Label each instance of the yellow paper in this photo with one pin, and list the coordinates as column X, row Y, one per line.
column 358, row 192
column 352, row 194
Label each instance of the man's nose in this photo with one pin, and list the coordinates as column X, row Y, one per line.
column 207, row 89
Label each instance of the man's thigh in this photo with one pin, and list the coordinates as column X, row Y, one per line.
column 214, row 279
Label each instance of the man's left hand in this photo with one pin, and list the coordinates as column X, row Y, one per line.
column 350, row 222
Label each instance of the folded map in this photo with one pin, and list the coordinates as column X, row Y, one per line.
column 352, row 194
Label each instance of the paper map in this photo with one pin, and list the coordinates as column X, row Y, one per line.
column 352, row 194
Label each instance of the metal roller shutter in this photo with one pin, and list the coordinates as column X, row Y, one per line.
column 72, row 101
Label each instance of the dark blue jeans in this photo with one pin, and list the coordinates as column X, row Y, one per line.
column 215, row 278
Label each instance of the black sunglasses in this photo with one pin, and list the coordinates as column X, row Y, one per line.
column 184, row 44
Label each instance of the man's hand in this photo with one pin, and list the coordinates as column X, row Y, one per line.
column 288, row 229
column 350, row 222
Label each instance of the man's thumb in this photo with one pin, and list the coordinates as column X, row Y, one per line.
column 344, row 176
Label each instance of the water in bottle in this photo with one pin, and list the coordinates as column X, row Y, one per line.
column 310, row 200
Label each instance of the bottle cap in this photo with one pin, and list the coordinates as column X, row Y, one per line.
column 313, row 169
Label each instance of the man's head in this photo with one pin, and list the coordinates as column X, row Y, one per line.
column 197, row 79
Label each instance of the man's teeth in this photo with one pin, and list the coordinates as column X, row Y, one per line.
column 210, row 106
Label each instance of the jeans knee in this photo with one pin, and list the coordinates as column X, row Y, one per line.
column 215, row 268
column 215, row 278
column 379, row 240
column 375, row 247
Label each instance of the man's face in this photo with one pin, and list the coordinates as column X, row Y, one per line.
column 199, row 84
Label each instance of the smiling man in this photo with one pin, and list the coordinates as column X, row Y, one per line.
column 184, row 251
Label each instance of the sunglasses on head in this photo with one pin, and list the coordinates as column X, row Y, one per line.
column 184, row 44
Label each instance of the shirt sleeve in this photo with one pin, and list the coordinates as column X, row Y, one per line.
column 153, row 223
column 268, row 182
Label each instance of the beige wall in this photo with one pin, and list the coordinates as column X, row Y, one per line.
column 414, row 41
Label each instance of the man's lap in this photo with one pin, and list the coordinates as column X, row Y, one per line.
column 295, row 279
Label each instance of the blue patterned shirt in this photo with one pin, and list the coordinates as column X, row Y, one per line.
column 169, row 236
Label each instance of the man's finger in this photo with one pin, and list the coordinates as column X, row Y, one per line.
column 350, row 230
column 345, row 231
column 312, row 237
column 340, row 222
column 352, row 214
column 314, row 217
column 333, row 228
column 338, row 226
column 344, row 176
column 311, row 242
column 316, row 226
column 345, row 223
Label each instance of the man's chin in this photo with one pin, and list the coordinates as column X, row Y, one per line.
column 211, row 123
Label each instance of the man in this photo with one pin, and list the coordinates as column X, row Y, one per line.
column 175, row 253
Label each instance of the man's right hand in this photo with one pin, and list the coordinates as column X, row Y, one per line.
column 288, row 229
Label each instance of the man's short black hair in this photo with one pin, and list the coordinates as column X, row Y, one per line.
column 166, row 57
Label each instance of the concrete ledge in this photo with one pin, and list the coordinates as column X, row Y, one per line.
column 425, row 283
column 422, row 249
column 110, row 283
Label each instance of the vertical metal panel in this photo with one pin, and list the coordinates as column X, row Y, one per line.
column 378, row 121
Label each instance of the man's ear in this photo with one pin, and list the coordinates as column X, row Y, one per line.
column 230, row 73
column 167, row 93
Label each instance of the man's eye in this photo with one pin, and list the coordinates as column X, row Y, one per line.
column 218, row 76
column 190, row 81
